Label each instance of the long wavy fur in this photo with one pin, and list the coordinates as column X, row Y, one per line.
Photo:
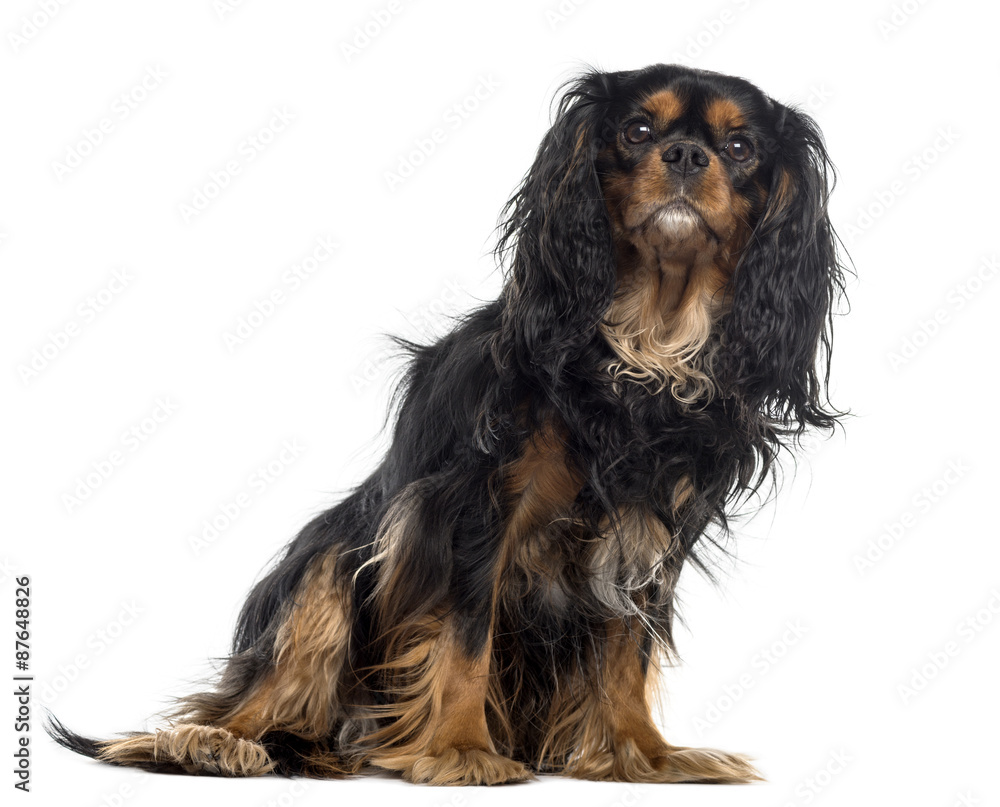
column 422, row 557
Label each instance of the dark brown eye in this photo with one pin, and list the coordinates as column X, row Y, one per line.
column 638, row 132
column 739, row 149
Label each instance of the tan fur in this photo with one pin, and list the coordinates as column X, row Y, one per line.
column 321, row 764
column 540, row 487
column 467, row 766
column 625, row 560
column 723, row 114
column 663, row 106
column 438, row 733
column 391, row 536
column 301, row 693
column 671, row 282
column 683, row 491
column 604, row 729
column 678, row 240
column 782, row 195
column 607, row 732
column 633, row 198
column 312, row 646
column 194, row 749
column 658, row 325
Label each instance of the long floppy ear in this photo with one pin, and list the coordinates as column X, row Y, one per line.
column 556, row 233
column 777, row 333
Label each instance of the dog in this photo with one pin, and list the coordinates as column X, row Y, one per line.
column 496, row 599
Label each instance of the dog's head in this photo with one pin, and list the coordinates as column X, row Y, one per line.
column 680, row 215
column 684, row 167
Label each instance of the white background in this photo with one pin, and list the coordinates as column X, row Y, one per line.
column 126, row 611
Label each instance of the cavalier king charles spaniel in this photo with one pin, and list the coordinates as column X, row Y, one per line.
column 495, row 600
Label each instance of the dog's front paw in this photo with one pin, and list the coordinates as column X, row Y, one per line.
column 704, row 765
column 467, row 766
column 628, row 763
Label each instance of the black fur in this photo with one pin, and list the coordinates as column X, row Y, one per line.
column 470, row 401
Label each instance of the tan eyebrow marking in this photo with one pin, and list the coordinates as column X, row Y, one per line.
column 664, row 106
column 722, row 115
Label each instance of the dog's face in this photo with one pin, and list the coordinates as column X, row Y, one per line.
column 685, row 171
column 680, row 215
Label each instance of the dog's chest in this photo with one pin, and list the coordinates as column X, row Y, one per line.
column 552, row 559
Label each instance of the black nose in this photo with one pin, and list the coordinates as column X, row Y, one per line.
column 685, row 158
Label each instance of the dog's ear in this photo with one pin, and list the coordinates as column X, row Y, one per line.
column 555, row 234
column 777, row 332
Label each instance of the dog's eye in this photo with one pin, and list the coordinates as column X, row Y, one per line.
column 638, row 132
column 739, row 149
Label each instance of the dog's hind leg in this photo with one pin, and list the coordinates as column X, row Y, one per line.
column 276, row 715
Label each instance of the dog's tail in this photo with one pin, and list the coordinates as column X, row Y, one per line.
column 71, row 740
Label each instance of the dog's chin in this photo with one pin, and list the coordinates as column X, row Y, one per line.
column 679, row 222
column 680, row 234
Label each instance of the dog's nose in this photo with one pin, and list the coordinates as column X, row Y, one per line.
column 685, row 158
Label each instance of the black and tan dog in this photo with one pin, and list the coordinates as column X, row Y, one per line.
column 494, row 600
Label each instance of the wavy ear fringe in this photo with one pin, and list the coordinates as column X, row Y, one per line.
column 778, row 332
column 557, row 234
